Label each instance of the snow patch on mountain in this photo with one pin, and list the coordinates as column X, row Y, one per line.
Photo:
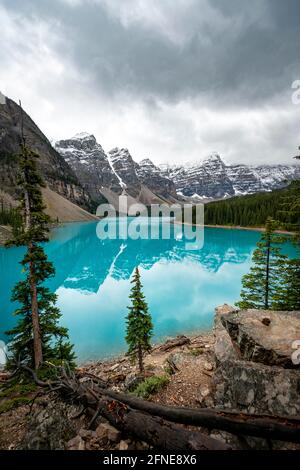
column 111, row 163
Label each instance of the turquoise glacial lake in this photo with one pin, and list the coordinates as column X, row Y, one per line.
column 92, row 281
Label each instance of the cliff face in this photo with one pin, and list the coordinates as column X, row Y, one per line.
column 89, row 162
column 55, row 170
column 115, row 171
column 150, row 175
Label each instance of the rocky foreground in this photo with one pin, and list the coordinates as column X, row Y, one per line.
column 247, row 364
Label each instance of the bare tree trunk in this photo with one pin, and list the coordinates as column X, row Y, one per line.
column 27, row 217
column 140, row 357
column 148, row 421
column 37, row 340
column 157, row 432
column 267, row 275
column 285, row 428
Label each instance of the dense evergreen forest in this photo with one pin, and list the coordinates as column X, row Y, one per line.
column 9, row 216
column 251, row 210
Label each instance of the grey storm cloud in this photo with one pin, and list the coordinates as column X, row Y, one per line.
column 240, row 52
column 223, row 55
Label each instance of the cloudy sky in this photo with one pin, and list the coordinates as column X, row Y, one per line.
column 172, row 80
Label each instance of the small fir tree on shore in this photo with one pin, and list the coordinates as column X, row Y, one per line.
column 139, row 323
column 261, row 284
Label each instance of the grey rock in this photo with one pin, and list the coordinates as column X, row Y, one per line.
column 132, row 381
column 223, row 348
column 77, row 443
column 86, row 434
column 105, row 432
column 90, row 164
column 151, row 176
column 49, row 427
column 123, row 445
column 264, row 336
column 257, row 388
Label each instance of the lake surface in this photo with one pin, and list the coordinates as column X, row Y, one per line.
column 92, row 282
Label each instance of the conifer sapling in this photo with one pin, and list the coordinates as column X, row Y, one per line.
column 139, row 323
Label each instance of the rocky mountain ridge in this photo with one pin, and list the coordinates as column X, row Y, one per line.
column 81, row 171
column 114, row 172
column 57, row 173
column 213, row 179
column 206, row 180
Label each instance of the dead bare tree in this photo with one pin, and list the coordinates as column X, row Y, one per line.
column 152, row 422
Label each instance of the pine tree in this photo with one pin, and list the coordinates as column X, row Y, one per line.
column 287, row 296
column 289, row 211
column 37, row 335
column 139, row 324
column 261, row 284
column 288, row 292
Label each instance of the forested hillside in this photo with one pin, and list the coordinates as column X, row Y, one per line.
column 251, row 210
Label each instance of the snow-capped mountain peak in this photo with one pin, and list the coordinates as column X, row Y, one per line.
column 82, row 135
column 146, row 165
column 208, row 178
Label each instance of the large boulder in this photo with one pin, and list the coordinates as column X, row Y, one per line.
column 256, row 388
column 223, row 347
column 264, row 336
column 255, row 370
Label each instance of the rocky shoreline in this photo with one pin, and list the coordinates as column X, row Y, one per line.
column 244, row 365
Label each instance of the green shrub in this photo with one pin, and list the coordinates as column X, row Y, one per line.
column 168, row 370
column 151, row 385
column 196, row 351
column 8, row 405
column 17, row 389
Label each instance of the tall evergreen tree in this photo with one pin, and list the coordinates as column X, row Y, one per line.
column 139, row 323
column 260, row 285
column 287, row 296
column 34, row 337
column 288, row 292
column 289, row 211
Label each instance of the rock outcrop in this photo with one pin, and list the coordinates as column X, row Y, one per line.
column 151, row 176
column 255, row 371
column 224, row 349
column 114, row 173
column 55, row 170
column 89, row 162
column 258, row 389
column 264, row 336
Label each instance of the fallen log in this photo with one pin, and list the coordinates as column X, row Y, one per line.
column 174, row 343
column 155, row 431
column 110, row 404
column 272, row 427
